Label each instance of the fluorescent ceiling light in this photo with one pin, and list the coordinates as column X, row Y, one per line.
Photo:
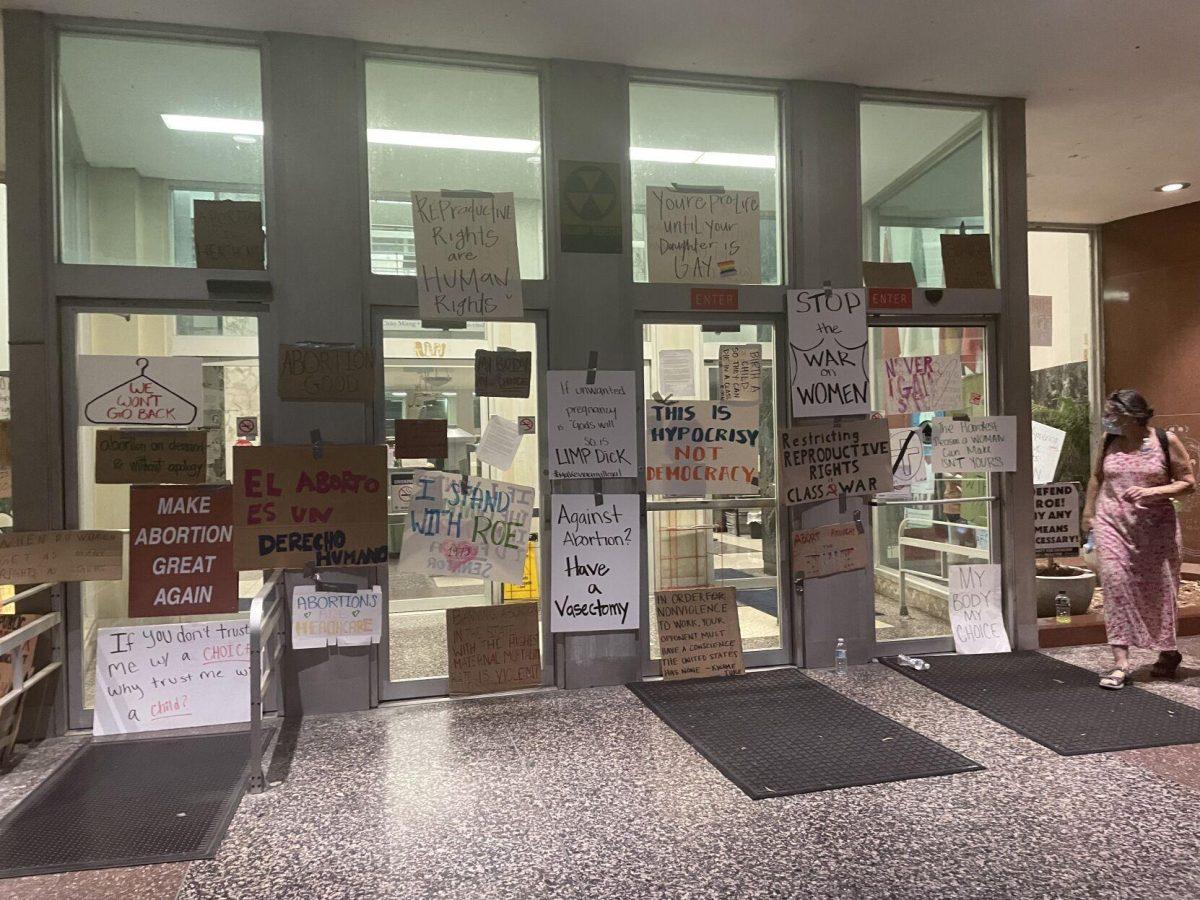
column 1173, row 186
column 212, row 124
column 655, row 154
column 703, row 157
column 739, row 160
column 452, row 141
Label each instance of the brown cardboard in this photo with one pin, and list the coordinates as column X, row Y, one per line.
column 829, row 549
column 151, row 457
column 698, row 632
column 889, row 274
column 330, row 374
column 228, row 234
column 291, row 508
column 493, row 648
column 32, row 557
column 967, row 261
column 503, row 373
column 421, row 439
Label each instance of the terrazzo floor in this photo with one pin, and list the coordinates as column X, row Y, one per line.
column 588, row 794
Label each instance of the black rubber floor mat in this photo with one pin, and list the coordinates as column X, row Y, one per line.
column 779, row 732
column 128, row 803
column 1056, row 704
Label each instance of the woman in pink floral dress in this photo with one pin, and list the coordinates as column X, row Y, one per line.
column 1136, row 533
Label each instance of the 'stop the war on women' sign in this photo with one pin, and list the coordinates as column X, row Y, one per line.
column 827, row 330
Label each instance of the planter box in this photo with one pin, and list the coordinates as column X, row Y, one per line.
column 1079, row 585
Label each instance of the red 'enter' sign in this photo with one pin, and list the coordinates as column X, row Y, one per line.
column 715, row 298
column 889, row 298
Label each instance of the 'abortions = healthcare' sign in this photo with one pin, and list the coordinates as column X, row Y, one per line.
column 596, row 562
column 827, row 330
column 976, row 615
column 822, row 462
column 477, row 530
column 1056, row 525
column 181, row 550
column 292, row 507
column 350, row 619
column 699, row 447
column 592, row 431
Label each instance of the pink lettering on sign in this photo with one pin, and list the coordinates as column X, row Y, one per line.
column 459, row 553
column 889, row 298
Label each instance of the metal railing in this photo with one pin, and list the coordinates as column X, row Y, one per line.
column 268, row 638
column 12, row 646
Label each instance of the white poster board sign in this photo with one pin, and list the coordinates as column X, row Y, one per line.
column 823, row 462
column 467, row 265
column 1047, row 448
column 827, row 331
column 593, row 427
column 699, row 448
column 910, row 468
column 923, row 384
column 154, row 677
column 596, row 562
column 1056, row 523
column 980, row 445
column 703, row 237
column 139, row 391
column 321, row 618
column 677, row 373
column 976, row 613
column 740, row 368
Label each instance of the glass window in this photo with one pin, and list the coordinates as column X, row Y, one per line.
column 138, row 119
column 706, row 136
column 436, row 127
column 924, row 173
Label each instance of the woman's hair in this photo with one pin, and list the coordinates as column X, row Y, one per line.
column 1129, row 402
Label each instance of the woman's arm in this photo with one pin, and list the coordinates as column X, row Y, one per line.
column 1093, row 489
column 1183, row 479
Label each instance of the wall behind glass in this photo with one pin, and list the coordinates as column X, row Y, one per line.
column 141, row 122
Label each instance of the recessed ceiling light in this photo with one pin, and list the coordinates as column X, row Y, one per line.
column 1172, row 186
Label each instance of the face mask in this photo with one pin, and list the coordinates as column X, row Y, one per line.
column 1111, row 426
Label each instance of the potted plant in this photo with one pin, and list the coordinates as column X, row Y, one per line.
column 1078, row 584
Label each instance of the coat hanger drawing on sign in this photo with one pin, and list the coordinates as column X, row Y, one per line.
column 98, row 418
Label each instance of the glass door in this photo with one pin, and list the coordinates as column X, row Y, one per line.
column 726, row 540
column 932, row 520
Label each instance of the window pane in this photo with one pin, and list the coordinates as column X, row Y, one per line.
column 433, row 127
column 142, row 119
column 703, row 136
column 923, row 175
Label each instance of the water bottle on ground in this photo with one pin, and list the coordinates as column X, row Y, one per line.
column 1062, row 608
column 912, row 662
column 840, row 664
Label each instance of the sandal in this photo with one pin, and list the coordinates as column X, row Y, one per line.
column 1115, row 680
column 1167, row 664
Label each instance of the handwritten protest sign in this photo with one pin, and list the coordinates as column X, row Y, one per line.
column 482, row 532
column 493, row 648
column 596, row 562
column 698, row 632
column 467, row 265
column 703, row 237
column 153, row 677
column 332, row 374
column 181, row 550
column 1056, row 524
column 827, row 331
column 967, row 260
column 291, row 508
column 923, row 384
column 348, row 619
column 698, row 447
column 829, row 549
column 31, row 557
column 499, row 444
column 822, row 462
column 1041, row 320
column 1047, row 448
column 503, row 373
column 976, row 614
column 151, row 457
column 910, row 468
column 592, row 431
column 421, row 439
column 139, row 390
column 228, row 234
column 981, row 445
column 741, row 373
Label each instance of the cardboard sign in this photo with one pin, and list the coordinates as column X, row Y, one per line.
column 699, row 448
column 889, row 298
column 982, row 445
column 467, row 265
column 1041, row 320
column 592, row 431
column 154, row 677
column 823, row 462
column 967, row 261
column 181, row 551
column 421, row 439
column 923, row 384
column 596, row 562
column 677, row 373
column 493, row 648
column 976, row 613
column 329, row 374
column 910, row 468
column 228, row 234
column 889, row 275
column 589, row 207
column 139, row 390
column 741, row 373
column 715, row 299
column 828, row 338
column 699, row 633
column 31, row 557
column 482, row 532
column 291, row 509
column 701, row 237
column 324, row 618
column 499, row 444
column 829, row 549
column 1047, row 448
column 1056, row 523
column 151, row 457
column 503, row 373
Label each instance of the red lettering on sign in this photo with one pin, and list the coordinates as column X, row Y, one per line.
column 723, row 299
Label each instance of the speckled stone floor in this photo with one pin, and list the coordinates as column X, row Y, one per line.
column 589, row 795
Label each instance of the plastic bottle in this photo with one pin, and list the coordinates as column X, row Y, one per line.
column 1062, row 608
column 912, row 662
column 840, row 663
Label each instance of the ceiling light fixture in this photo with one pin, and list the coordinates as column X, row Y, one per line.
column 1172, row 186
column 703, row 157
column 212, row 124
